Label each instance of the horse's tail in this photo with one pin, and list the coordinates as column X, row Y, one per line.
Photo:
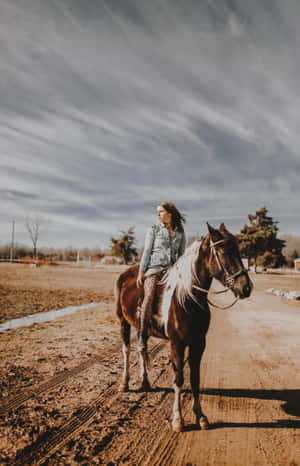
column 117, row 293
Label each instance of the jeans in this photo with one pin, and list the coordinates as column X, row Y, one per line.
column 145, row 309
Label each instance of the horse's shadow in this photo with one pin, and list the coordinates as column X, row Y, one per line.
column 290, row 399
column 280, row 424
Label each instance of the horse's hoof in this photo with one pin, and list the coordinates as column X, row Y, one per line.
column 177, row 426
column 203, row 423
column 145, row 387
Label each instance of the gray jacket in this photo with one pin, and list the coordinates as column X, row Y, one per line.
column 160, row 249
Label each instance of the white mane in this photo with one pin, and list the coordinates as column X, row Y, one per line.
column 181, row 277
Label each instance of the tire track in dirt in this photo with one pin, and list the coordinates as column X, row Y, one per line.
column 265, row 365
column 238, row 410
column 266, row 423
column 150, row 426
column 55, row 381
column 46, row 445
column 165, row 450
column 148, row 438
column 226, row 411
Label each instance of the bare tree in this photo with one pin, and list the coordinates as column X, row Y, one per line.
column 124, row 246
column 33, row 226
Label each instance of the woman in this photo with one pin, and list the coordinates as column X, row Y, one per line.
column 164, row 243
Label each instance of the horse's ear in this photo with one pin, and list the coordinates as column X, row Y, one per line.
column 214, row 234
column 223, row 228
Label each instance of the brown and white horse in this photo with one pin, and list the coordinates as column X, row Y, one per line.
column 180, row 310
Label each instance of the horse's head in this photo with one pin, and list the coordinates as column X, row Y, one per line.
column 225, row 264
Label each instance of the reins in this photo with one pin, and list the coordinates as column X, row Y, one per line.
column 217, row 292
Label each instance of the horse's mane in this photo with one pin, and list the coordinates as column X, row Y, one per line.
column 182, row 277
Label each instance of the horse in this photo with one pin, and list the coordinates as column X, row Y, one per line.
column 181, row 311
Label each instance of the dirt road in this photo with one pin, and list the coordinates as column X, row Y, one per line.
column 60, row 403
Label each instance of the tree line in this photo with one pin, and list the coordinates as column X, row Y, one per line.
column 68, row 254
column 258, row 242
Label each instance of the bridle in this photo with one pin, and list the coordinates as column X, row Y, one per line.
column 229, row 278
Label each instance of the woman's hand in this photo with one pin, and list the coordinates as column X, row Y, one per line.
column 140, row 279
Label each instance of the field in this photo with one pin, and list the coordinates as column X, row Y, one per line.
column 59, row 400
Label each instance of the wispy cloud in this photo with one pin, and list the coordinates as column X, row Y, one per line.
column 108, row 107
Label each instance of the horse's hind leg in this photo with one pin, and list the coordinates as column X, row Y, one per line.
column 195, row 354
column 125, row 334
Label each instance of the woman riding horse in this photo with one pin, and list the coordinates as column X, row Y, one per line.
column 181, row 311
column 164, row 244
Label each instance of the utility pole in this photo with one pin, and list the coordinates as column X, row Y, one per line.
column 12, row 247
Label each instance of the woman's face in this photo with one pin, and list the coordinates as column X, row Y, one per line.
column 163, row 215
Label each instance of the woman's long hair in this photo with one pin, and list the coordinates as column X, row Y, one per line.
column 178, row 219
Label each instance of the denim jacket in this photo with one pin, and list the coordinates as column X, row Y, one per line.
column 160, row 249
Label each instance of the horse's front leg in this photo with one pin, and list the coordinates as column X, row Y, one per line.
column 195, row 354
column 177, row 357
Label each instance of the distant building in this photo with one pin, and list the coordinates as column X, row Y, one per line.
column 297, row 264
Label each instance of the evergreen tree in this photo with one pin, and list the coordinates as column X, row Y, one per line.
column 124, row 246
column 258, row 241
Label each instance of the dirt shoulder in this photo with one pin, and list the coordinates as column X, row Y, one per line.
column 25, row 290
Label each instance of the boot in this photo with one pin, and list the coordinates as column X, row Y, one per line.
column 143, row 329
column 146, row 310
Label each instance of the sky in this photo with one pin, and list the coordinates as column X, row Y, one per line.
column 110, row 106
